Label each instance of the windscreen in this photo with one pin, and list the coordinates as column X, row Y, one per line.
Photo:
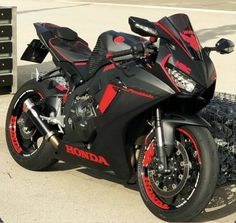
column 179, row 29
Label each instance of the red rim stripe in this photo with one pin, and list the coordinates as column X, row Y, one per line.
column 152, row 196
column 13, row 135
column 193, row 141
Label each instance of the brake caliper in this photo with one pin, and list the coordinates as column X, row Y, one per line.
column 149, row 154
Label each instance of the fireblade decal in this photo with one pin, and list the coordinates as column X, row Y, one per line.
column 86, row 155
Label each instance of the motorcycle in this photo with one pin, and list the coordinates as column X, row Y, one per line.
column 129, row 108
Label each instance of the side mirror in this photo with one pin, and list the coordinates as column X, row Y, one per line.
column 224, row 46
column 142, row 27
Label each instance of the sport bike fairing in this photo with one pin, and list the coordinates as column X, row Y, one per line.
column 121, row 89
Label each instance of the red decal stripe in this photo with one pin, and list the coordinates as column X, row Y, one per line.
column 163, row 63
column 183, row 67
column 13, row 135
column 109, row 67
column 190, row 37
column 173, row 37
column 61, row 88
column 107, row 98
column 193, row 141
column 111, row 92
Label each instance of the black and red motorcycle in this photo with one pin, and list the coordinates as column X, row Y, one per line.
column 129, row 108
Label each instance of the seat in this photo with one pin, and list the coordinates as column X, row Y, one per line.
column 66, row 34
column 67, row 47
column 72, row 51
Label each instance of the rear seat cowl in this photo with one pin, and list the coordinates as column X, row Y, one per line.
column 66, row 34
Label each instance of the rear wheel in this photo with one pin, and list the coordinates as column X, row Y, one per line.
column 184, row 192
column 25, row 143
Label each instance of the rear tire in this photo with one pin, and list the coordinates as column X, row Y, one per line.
column 32, row 157
column 198, row 199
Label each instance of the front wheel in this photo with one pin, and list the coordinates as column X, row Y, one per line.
column 184, row 192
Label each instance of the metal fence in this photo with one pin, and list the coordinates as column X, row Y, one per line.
column 221, row 114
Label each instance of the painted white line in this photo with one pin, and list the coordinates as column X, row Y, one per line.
column 157, row 7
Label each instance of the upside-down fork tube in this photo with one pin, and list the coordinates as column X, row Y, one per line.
column 33, row 113
column 160, row 145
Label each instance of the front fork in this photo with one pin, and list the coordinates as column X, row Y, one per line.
column 160, row 146
column 165, row 134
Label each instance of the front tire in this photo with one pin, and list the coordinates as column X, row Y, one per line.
column 25, row 143
column 196, row 191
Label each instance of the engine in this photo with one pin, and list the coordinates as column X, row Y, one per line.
column 82, row 114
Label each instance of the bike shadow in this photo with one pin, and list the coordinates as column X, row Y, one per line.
column 221, row 205
column 64, row 166
column 109, row 177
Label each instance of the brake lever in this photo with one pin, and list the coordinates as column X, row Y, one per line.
column 149, row 49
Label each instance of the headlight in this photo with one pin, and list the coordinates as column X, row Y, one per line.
column 181, row 80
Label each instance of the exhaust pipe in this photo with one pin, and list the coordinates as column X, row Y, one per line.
column 33, row 113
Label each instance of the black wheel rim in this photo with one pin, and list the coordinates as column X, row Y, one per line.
column 24, row 136
column 153, row 186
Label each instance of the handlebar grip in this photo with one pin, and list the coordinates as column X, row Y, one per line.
column 119, row 53
column 134, row 50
